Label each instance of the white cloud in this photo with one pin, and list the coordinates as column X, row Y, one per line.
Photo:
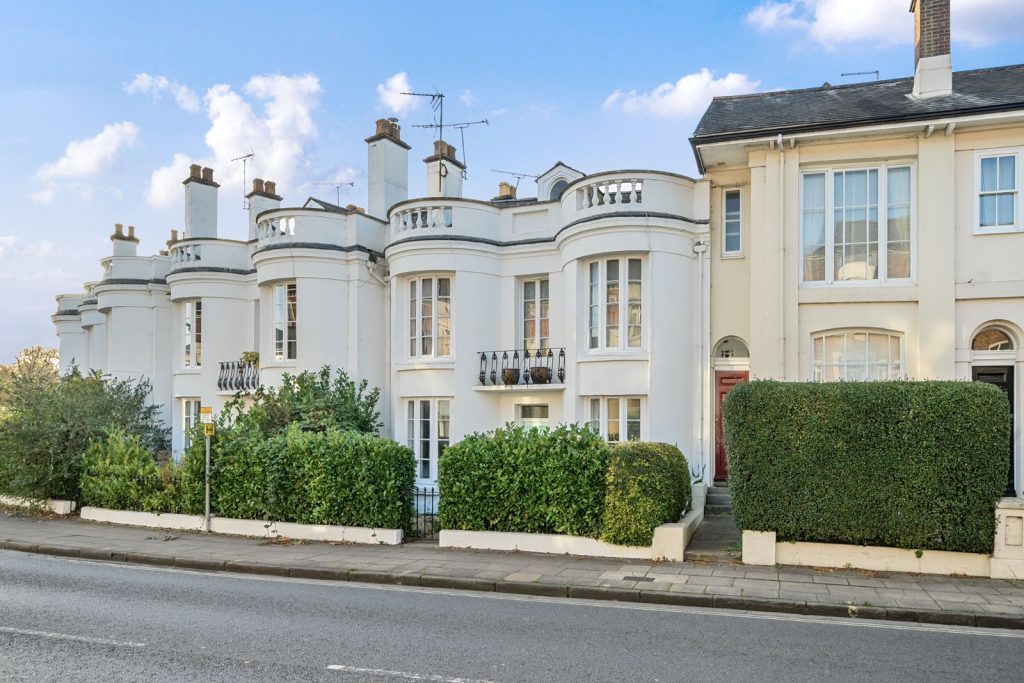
column 887, row 22
column 467, row 98
column 86, row 158
column 280, row 135
column 389, row 94
column 155, row 86
column 45, row 195
column 11, row 245
column 688, row 96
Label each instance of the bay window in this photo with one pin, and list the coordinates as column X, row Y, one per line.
column 997, row 188
column 430, row 317
column 428, row 433
column 856, row 225
column 193, row 331
column 615, row 303
column 853, row 355
column 285, row 322
column 616, row 418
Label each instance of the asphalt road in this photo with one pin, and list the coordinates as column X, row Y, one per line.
column 72, row 620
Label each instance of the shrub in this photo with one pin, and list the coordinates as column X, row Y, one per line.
column 915, row 465
column 49, row 422
column 534, row 481
column 118, row 473
column 648, row 485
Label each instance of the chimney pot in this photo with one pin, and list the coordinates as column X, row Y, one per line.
column 257, row 185
column 208, row 174
column 270, row 187
column 390, row 128
column 506, row 191
column 118, row 229
column 131, row 232
column 174, row 235
column 195, row 171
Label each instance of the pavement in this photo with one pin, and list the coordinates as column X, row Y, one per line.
column 67, row 619
column 930, row 599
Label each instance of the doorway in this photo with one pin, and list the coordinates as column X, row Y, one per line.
column 1002, row 377
column 724, row 383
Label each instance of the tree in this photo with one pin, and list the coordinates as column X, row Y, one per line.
column 33, row 363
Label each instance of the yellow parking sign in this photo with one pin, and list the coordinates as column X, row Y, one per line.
column 208, row 429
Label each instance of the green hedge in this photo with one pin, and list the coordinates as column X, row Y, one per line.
column 648, row 485
column 561, row 481
column 915, row 465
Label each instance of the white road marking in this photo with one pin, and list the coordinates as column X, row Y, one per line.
column 404, row 674
column 68, row 636
column 578, row 602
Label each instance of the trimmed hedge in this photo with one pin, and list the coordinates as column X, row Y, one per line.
column 561, row 481
column 914, row 465
column 648, row 485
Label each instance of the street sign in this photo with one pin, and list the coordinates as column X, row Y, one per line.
column 208, row 429
column 206, row 414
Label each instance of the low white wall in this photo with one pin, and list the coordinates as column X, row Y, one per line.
column 59, row 507
column 247, row 527
column 669, row 542
column 1008, row 550
column 761, row 548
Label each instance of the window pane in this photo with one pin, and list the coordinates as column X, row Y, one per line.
column 529, row 292
column 595, row 415
column 813, row 227
column 732, row 205
column 613, row 420
column 988, row 216
column 732, row 237
column 544, row 290
column 1005, row 203
column 634, row 304
column 898, row 223
column 444, row 286
column 634, row 269
column 292, row 332
column 595, row 310
column 1007, row 173
column 989, row 169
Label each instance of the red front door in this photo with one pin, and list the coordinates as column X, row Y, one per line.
column 724, row 382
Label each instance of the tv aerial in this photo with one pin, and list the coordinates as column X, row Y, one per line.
column 337, row 189
column 516, row 175
column 437, row 105
column 245, row 159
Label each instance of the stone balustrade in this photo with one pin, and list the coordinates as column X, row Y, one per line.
column 417, row 217
column 607, row 191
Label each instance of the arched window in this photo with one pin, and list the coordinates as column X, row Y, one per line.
column 856, row 355
column 557, row 189
column 992, row 339
column 731, row 347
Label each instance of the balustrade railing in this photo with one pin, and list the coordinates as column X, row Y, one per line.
column 276, row 227
column 186, row 253
column 610, row 191
column 516, row 367
column 422, row 217
column 238, row 376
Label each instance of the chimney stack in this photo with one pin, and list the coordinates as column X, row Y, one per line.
column 506, row 191
column 124, row 245
column 200, row 203
column 444, row 171
column 262, row 198
column 387, row 168
column 933, row 64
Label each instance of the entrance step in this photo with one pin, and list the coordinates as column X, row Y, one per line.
column 715, row 498
column 717, row 510
column 717, row 540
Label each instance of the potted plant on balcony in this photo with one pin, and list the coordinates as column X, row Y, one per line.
column 540, row 374
column 251, row 358
column 510, row 375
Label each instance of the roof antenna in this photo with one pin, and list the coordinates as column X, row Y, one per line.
column 517, row 176
column 461, row 127
column 860, row 73
column 245, row 160
column 437, row 104
column 337, row 189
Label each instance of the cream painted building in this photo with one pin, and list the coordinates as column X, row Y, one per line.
column 871, row 231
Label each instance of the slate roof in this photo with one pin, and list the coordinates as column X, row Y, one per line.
column 846, row 106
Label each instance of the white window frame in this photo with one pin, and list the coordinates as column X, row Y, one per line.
column 537, row 342
column 738, row 220
column 192, row 333
column 189, row 419
column 286, row 348
column 533, row 422
column 414, row 316
column 601, row 304
column 882, row 277
column 434, row 442
column 601, row 411
column 891, row 334
column 1018, row 212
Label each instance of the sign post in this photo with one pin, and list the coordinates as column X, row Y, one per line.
column 206, row 417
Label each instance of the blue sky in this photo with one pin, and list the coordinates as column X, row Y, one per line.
column 105, row 104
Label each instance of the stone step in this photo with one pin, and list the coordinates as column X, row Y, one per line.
column 717, row 510
column 719, row 499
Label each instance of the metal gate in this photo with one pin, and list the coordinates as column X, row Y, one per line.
column 424, row 522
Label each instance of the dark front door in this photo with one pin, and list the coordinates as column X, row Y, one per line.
column 1002, row 377
column 724, row 382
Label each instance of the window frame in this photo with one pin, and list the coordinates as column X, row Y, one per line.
column 192, row 333
column 538, row 317
column 1018, row 211
column 414, row 316
column 601, row 423
column 824, row 334
column 882, row 278
column 601, row 305
column 287, row 348
column 189, row 419
column 726, row 252
column 436, row 444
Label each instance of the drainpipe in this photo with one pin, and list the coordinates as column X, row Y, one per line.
column 385, row 281
column 701, row 250
column 782, row 258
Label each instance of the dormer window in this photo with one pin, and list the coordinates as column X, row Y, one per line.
column 558, row 188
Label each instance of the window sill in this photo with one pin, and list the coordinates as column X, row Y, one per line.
column 426, row 364
column 732, row 255
column 189, row 371
column 1001, row 230
column 606, row 356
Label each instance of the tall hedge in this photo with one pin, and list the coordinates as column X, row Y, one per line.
column 915, row 465
column 648, row 485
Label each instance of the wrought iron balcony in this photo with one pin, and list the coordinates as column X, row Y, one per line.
column 238, row 376
column 522, row 367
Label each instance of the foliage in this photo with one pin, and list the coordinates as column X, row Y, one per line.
column 33, row 363
column 915, row 465
column 537, row 481
column 648, row 485
column 49, row 422
column 118, row 473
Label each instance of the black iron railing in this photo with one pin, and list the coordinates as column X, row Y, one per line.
column 522, row 367
column 425, row 526
column 238, row 376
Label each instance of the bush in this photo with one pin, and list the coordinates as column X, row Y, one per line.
column 915, row 465
column 532, row 481
column 118, row 473
column 49, row 422
column 648, row 485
